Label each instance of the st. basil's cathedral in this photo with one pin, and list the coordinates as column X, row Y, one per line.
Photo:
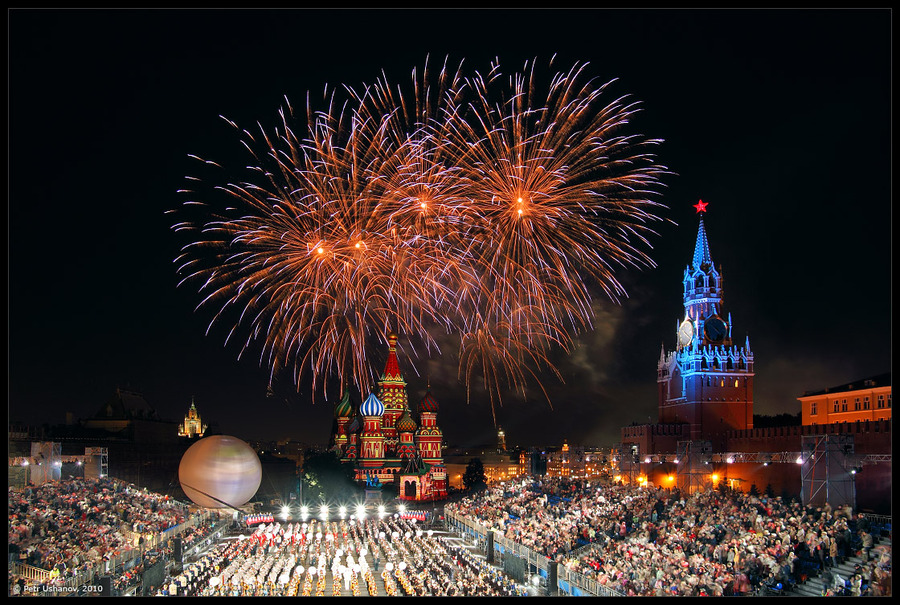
column 386, row 444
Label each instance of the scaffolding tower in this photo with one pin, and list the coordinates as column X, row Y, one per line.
column 99, row 457
column 693, row 466
column 827, row 470
column 47, row 466
column 627, row 462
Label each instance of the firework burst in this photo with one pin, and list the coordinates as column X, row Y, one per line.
column 482, row 204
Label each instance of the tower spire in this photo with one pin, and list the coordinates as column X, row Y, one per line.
column 392, row 367
column 701, row 248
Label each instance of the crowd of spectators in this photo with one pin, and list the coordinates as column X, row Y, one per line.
column 78, row 526
column 632, row 540
column 656, row 541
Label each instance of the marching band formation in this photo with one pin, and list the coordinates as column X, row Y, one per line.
column 340, row 558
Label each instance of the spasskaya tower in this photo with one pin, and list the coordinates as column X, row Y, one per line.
column 707, row 380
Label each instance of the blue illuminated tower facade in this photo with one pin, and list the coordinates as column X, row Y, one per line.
column 706, row 382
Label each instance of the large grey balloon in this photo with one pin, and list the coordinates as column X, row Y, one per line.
column 220, row 471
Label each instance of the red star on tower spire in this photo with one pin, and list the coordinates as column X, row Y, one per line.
column 701, row 206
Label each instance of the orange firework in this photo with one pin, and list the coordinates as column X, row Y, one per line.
column 487, row 206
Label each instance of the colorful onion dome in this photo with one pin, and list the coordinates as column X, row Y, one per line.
column 406, row 424
column 372, row 406
column 428, row 403
column 344, row 409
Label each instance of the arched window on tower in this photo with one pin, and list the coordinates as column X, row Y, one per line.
column 677, row 387
column 698, row 282
column 730, row 364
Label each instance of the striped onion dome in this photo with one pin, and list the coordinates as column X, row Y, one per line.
column 428, row 403
column 406, row 424
column 344, row 409
column 372, row 406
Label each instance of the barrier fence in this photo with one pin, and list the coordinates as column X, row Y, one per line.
column 566, row 582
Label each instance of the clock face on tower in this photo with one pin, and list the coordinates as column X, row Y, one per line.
column 714, row 329
column 686, row 333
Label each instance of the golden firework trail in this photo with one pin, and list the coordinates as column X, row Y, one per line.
column 489, row 206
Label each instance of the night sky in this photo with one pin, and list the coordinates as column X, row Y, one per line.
column 779, row 119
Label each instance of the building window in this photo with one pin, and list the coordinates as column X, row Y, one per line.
column 843, row 405
column 866, row 403
column 881, row 402
column 836, row 408
column 856, row 405
column 813, row 409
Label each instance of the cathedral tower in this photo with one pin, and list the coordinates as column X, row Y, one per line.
column 372, row 438
column 429, row 438
column 392, row 392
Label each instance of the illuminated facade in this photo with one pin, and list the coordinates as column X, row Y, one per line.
column 706, row 382
column 497, row 467
column 192, row 426
column 868, row 399
column 577, row 462
column 384, row 442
